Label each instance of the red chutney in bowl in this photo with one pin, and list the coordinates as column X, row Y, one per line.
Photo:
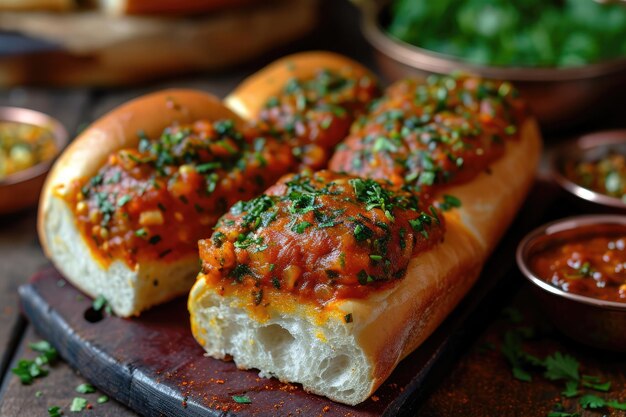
column 589, row 261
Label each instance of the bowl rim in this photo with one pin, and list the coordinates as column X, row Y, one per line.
column 568, row 223
column 576, row 148
column 36, row 118
column 437, row 62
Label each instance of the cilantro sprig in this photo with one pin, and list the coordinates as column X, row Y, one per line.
column 555, row 367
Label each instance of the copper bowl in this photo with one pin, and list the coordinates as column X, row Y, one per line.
column 590, row 147
column 594, row 322
column 21, row 189
column 559, row 97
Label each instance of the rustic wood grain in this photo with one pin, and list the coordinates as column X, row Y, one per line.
column 56, row 389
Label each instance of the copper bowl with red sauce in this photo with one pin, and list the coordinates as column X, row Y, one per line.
column 591, row 147
column 591, row 320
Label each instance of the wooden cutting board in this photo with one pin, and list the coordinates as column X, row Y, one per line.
column 153, row 365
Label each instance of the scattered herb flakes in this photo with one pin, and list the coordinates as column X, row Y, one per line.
column 85, row 389
column 99, row 302
column 55, row 411
column 27, row 370
column 39, row 394
column 78, row 404
column 449, row 202
column 102, row 399
column 594, row 383
column 590, row 401
column 48, row 353
column 242, row 399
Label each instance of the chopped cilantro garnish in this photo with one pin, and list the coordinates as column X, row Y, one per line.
column 55, row 411
column 300, row 227
column 85, row 389
column 78, row 404
column 362, row 232
column 449, row 202
column 240, row 271
column 102, row 399
column 241, row 399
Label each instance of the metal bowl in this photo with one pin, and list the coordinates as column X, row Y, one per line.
column 21, row 189
column 559, row 97
column 588, row 148
column 592, row 321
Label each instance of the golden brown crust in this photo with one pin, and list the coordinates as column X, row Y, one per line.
column 249, row 98
column 490, row 201
column 119, row 129
column 437, row 280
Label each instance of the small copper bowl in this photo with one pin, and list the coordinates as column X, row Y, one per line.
column 21, row 189
column 590, row 147
column 594, row 322
column 559, row 97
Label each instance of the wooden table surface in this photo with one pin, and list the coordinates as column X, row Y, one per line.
column 461, row 389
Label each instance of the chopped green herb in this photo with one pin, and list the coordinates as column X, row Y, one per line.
column 141, row 232
column 242, row 399
column 102, row 399
column 78, row 404
column 571, row 389
column 55, row 411
column 300, row 227
column 85, row 389
column 560, row 366
column 348, row 318
column 122, row 201
column 376, row 257
column 362, row 232
column 99, row 303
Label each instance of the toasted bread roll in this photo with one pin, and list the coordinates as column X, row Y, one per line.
column 308, row 99
column 124, row 206
column 294, row 310
column 27, row 5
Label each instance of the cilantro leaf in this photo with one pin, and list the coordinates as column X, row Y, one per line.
column 55, row 411
column 103, row 399
column 85, row 389
column 242, row 399
column 560, row 366
column 78, row 404
column 591, row 401
column 562, row 414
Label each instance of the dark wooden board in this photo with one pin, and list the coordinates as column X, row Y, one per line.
column 153, row 365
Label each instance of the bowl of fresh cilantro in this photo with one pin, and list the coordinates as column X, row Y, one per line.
column 568, row 57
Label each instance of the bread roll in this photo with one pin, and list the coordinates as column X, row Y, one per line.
column 120, row 209
column 309, row 99
column 344, row 343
